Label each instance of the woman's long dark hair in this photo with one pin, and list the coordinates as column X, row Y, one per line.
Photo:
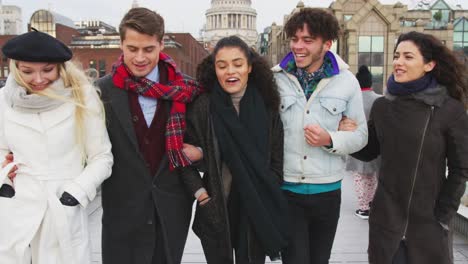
column 448, row 71
column 261, row 75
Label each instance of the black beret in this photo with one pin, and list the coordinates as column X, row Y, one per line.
column 36, row 46
column 364, row 77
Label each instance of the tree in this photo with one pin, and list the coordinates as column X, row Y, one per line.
column 438, row 15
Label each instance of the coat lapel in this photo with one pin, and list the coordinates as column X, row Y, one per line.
column 119, row 104
column 52, row 118
column 25, row 119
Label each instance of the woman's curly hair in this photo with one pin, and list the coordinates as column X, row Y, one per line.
column 261, row 75
column 448, row 70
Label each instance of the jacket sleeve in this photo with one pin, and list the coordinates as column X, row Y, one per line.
column 372, row 150
column 4, row 150
column 453, row 186
column 97, row 147
column 346, row 142
column 277, row 148
column 190, row 175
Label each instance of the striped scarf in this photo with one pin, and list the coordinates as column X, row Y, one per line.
column 178, row 90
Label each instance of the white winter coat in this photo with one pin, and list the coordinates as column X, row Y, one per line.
column 49, row 161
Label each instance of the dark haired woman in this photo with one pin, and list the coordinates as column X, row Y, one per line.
column 237, row 126
column 419, row 128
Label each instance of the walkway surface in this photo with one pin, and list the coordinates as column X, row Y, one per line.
column 349, row 247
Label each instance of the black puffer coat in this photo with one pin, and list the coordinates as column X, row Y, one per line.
column 417, row 136
column 211, row 222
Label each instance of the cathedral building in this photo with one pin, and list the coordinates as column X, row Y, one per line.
column 230, row 17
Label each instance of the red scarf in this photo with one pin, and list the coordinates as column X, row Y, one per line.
column 178, row 90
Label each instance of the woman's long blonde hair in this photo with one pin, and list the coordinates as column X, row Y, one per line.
column 75, row 79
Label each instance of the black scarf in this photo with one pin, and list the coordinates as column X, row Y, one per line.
column 411, row 87
column 244, row 144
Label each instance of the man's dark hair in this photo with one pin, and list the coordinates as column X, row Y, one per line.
column 319, row 22
column 143, row 21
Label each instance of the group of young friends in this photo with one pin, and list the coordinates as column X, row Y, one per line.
column 269, row 141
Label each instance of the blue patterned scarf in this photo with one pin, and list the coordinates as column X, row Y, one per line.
column 309, row 81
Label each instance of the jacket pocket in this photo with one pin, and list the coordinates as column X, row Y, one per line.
column 331, row 112
column 287, row 115
column 75, row 224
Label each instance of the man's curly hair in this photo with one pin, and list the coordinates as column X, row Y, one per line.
column 319, row 23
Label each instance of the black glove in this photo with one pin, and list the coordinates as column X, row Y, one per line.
column 7, row 191
column 68, row 200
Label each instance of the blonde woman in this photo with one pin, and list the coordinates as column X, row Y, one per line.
column 52, row 122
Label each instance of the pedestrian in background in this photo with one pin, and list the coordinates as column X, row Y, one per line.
column 364, row 173
column 238, row 127
column 316, row 90
column 52, row 121
column 419, row 129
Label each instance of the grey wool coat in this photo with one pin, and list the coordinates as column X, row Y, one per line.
column 138, row 207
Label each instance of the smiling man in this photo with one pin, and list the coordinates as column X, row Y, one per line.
column 317, row 90
column 146, row 209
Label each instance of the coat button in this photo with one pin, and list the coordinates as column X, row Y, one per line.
column 282, row 107
column 334, row 109
column 149, row 222
column 308, row 112
column 302, row 178
column 305, row 157
column 146, row 141
column 135, row 118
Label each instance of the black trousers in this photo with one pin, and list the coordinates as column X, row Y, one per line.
column 137, row 248
column 401, row 256
column 214, row 255
column 314, row 218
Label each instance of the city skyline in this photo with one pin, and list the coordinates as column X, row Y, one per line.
column 193, row 11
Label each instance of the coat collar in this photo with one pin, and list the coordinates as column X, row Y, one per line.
column 41, row 122
column 434, row 96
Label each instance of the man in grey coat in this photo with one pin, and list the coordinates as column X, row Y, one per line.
column 146, row 211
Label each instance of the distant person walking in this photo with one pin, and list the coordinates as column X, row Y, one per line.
column 364, row 173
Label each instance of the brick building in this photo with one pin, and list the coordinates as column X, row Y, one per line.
column 96, row 53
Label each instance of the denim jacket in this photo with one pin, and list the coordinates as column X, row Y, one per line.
column 334, row 97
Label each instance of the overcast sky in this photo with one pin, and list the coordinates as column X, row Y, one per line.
column 179, row 15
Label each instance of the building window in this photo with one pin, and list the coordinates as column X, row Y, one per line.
column 460, row 36
column 6, row 71
column 43, row 21
column 440, row 15
column 102, row 68
column 347, row 17
column 371, row 53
